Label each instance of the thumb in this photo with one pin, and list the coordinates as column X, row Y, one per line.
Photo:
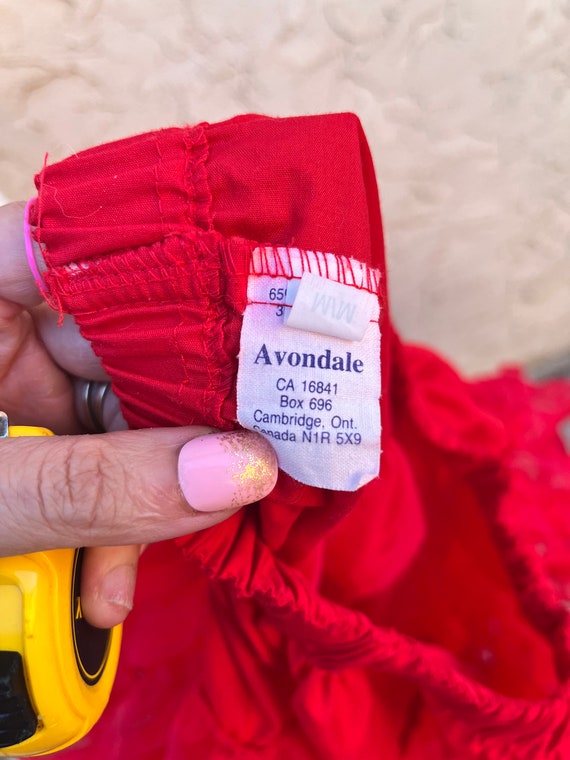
column 128, row 487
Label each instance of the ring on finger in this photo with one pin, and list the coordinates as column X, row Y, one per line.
column 91, row 397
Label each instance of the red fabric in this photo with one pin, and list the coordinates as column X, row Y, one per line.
column 423, row 616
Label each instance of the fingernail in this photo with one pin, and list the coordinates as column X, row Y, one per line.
column 226, row 470
column 118, row 586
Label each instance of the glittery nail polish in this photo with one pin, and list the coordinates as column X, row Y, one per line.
column 226, row 470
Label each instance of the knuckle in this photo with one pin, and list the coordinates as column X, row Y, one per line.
column 74, row 488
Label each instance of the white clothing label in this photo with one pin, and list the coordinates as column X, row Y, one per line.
column 312, row 394
column 327, row 307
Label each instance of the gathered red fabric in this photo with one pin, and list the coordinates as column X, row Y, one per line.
column 421, row 616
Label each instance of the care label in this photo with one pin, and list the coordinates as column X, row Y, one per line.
column 314, row 396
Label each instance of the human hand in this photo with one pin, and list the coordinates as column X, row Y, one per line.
column 111, row 492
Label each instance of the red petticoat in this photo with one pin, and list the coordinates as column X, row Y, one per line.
column 425, row 615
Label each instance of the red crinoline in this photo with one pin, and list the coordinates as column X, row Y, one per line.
column 423, row 616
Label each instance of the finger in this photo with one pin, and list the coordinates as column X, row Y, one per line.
column 33, row 389
column 64, row 341
column 66, row 345
column 128, row 487
column 17, row 283
column 108, row 583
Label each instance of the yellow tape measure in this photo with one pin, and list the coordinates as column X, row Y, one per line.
column 56, row 670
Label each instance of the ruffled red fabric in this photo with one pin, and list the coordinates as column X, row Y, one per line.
column 425, row 615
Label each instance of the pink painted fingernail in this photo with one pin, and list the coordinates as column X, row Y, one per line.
column 226, row 470
column 29, row 247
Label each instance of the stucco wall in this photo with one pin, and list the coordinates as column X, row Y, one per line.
column 466, row 104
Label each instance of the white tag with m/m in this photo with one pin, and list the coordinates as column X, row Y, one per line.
column 329, row 307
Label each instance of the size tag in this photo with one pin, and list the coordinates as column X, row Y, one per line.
column 313, row 395
column 328, row 307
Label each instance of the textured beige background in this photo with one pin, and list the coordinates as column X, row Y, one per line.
column 466, row 104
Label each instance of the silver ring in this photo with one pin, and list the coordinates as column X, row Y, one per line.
column 91, row 396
